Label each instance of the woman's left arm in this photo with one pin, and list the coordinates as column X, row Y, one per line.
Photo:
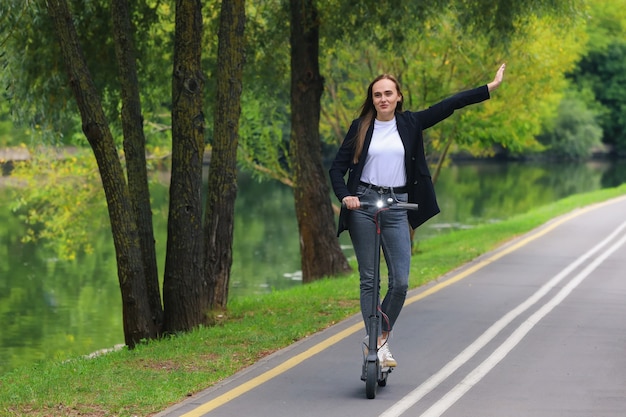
column 445, row 108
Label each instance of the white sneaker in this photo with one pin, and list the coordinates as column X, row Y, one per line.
column 385, row 358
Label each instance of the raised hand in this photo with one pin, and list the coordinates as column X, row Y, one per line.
column 497, row 80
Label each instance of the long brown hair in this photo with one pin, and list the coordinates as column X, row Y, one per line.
column 368, row 113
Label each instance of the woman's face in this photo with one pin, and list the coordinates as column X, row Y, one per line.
column 385, row 96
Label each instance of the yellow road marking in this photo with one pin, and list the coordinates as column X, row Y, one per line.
column 296, row 360
column 255, row 382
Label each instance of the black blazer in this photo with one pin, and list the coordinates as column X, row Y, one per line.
column 410, row 127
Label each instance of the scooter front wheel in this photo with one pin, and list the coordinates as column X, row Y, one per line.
column 371, row 380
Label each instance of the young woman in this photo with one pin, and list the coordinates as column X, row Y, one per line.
column 383, row 154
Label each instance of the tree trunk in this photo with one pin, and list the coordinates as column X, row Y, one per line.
column 185, row 289
column 135, row 151
column 320, row 251
column 135, row 307
column 220, row 204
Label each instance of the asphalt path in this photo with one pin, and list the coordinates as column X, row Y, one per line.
column 536, row 328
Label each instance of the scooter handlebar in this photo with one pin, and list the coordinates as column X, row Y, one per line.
column 395, row 205
column 406, row 206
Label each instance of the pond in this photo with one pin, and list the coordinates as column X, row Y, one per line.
column 51, row 308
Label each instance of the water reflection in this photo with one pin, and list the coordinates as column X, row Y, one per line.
column 266, row 245
column 55, row 309
column 51, row 308
column 474, row 193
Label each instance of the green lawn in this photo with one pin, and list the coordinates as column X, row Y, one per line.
column 158, row 374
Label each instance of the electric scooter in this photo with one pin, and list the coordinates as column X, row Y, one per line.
column 373, row 373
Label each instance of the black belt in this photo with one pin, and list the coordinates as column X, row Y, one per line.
column 382, row 190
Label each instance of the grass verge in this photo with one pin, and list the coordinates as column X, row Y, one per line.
column 161, row 373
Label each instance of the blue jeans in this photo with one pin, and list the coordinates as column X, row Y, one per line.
column 396, row 246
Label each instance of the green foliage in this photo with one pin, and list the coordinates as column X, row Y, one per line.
column 575, row 133
column 35, row 81
column 606, row 23
column 602, row 70
column 533, row 87
column 263, row 140
column 265, row 120
column 34, row 78
column 267, row 69
column 385, row 24
column 378, row 23
column 58, row 194
column 9, row 135
column 436, row 48
column 605, row 73
column 439, row 59
column 500, row 19
column 60, row 191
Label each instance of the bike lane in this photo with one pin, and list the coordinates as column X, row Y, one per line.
column 441, row 323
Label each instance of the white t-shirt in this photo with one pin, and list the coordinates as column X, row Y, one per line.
column 384, row 165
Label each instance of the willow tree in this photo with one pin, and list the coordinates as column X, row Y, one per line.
column 320, row 251
column 193, row 278
column 135, row 151
column 220, row 204
column 137, row 317
column 185, row 291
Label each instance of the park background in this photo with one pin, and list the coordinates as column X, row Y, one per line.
column 555, row 128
